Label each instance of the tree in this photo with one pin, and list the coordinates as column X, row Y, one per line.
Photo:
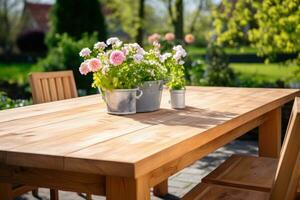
column 271, row 26
column 76, row 17
column 175, row 9
column 141, row 16
column 10, row 21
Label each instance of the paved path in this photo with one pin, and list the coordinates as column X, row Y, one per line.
column 181, row 182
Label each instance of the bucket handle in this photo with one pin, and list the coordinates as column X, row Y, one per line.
column 140, row 95
column 102, row 93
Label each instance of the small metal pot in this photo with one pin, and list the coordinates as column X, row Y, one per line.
column 177, row 99
column 152, row 92
column 121, row 101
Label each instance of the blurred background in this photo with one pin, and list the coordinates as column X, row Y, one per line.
column 239, row 43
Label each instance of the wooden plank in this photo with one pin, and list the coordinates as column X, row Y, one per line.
column 85, row 141
column 287, row 173
column 127, row 189
column 270, row 135
column 59, row 84
column 53, row 89
column 45, row 91
column 67, row 87
column 51, row 107
column 160, row 174
column 59, row 180
column 218, row 192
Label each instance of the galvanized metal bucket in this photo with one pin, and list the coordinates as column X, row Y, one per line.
column 121, row 101
column 177, row 99
column 150, row 101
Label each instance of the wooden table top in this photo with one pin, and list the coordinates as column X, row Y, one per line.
column 78, row 135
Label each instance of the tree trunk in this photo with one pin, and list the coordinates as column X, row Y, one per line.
column 178, row 25
column 140, row 31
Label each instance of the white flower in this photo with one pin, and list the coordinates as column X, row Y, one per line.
column 85, row 52
column 100, row 45
column 112, row 40
column 138, row 58
column 125, row 50
column 105, row 69
column 164, row 57
column 179, row 52
column 118, row 43
column 181, row 62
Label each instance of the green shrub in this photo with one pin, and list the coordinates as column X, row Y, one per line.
column 7, row 103
column 218, row 72
column 75, row 17
column 66, row 57
column 196, row 72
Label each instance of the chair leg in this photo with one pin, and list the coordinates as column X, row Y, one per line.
column 35, row 193
column 6, row 192
column 53, row 194
column 88, row 197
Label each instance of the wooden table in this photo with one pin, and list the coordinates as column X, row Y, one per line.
column 75, row 145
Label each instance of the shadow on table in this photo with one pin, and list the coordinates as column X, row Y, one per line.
column 190, row 116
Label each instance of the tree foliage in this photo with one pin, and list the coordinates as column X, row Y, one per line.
column 76, row 17
column 10, row 22
column 65, row 57
column 272, row 26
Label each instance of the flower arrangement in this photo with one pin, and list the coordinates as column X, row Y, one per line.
column 174, row 63
column 116, row 65
column 121, row 70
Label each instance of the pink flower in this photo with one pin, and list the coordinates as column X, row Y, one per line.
column 153, row 38
column 117, row 57
column 84, row 68
column 189, row 38
column 170, row 37
column 94, row 64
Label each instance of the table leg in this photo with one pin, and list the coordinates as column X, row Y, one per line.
column 270, row 135
column 120, row 188
column 54, row 194
column 161, row 189
column 6, row 192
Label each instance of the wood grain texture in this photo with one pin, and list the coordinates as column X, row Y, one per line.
column 205, row 191
column 78, row 135
column 54, row 179
column 118, row 188
column 270, row 135
column 288, row 171
column 52, row 86
column 280, row 178
column 244, row 171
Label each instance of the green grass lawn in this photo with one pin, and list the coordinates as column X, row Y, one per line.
column 254, row 72
column 260, row 72
column 17, row 72
column 194, row 50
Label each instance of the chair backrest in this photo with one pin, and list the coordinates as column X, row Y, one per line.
column 288, row 169
column 52, row 86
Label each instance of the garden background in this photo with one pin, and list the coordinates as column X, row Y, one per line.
column 240, row 43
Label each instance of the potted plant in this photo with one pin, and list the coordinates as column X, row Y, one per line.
column 152, row 73
column 176, row 80
column 115, row 73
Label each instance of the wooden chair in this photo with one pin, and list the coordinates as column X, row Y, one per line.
column 230, row 180
column 52, row 86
